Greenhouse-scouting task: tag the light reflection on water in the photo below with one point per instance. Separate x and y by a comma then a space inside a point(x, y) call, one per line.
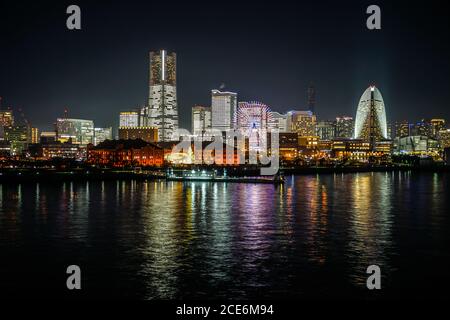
point(315, 235)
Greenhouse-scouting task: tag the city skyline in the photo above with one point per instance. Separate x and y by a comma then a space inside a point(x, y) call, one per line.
point(89, 77)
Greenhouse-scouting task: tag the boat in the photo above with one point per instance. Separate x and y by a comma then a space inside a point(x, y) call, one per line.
point(212, 176)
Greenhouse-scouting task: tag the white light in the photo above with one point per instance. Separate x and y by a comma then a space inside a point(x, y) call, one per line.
point(163, 58)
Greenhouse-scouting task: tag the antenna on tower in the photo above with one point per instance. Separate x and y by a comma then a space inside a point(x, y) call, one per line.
point(66, 112)
point(311, 98)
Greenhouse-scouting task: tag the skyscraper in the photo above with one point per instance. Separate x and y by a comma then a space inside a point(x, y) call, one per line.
point(302, 122)
point(102, 134)
point(370, 124)
point(201, 120)
point(223, 109)
point(78, 130)
point(326, 130)
point(162, 110)
point(277, 121)
point(129, 119)
point(436, 126)
point(344, 127)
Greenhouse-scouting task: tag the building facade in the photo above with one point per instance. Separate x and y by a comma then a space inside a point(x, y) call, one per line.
point(302, 122)
point(201, 121)
point(162, 109)
point(79, 131)
point(223, 110)
point(370, 123)
point(326, 130)
point(147, 134)
point(344, 127)
point(119, 153)
point(102, 134)
point(129, 119)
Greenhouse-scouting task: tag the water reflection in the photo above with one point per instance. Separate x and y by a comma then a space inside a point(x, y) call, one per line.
point(158, 239)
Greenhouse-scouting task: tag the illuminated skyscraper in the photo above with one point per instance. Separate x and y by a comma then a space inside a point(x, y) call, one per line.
point(344, 127)
point(34, 135)
point(277, 121)
point(223, 109)
point(370, 124)
point(129, 119)
point(436, 126)
point(162, 110)
point(102, 134)
point(201, 120)
point(78, 130)
point(326, 130)
point(302, 122)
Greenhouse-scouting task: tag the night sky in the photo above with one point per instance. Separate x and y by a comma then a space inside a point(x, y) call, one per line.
point(268, 52)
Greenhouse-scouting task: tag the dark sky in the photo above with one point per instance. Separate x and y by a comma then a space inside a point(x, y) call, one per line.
point(264, 51)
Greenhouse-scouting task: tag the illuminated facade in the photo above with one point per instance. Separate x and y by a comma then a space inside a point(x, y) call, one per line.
point(370, 123)
point(402, 129)
point(102, 134)
point(344, 127)
point(6, 118)
point(129, 119)
point(19, 137)
point(277, 121)
point(302, 122)
point(35, 135)
point(201, 121)
point(223, 110)
point(79, 131)
point(119, 153)
point(436, 126)
point(148, 134)
point(162, 109)
point(326, 130)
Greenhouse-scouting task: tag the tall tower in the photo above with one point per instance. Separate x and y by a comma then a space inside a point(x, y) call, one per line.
point(370, 123)
point(162, 110)
point(312, 98)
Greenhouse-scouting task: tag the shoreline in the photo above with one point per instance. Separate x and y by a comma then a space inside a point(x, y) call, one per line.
point(8, 175)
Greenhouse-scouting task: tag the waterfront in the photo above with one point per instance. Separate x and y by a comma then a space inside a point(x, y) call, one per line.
point(314, 236)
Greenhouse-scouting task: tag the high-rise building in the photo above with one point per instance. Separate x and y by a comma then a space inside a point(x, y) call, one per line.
point(436, 126)
point(223, 110)
point(201, 120)
point(102, 134)
point(444, 138)
point(371, 124)
point(402, 129)
point(302, 122)
point(326, 130)
point(129, 119)
point(277, 121)
point(78, 130)
point(34, 135)
point(162, 109)
point(19, 136)
point(6, 118)
point(421, 128)
point(344, 127)
point(148, 134)
point(252, 121)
